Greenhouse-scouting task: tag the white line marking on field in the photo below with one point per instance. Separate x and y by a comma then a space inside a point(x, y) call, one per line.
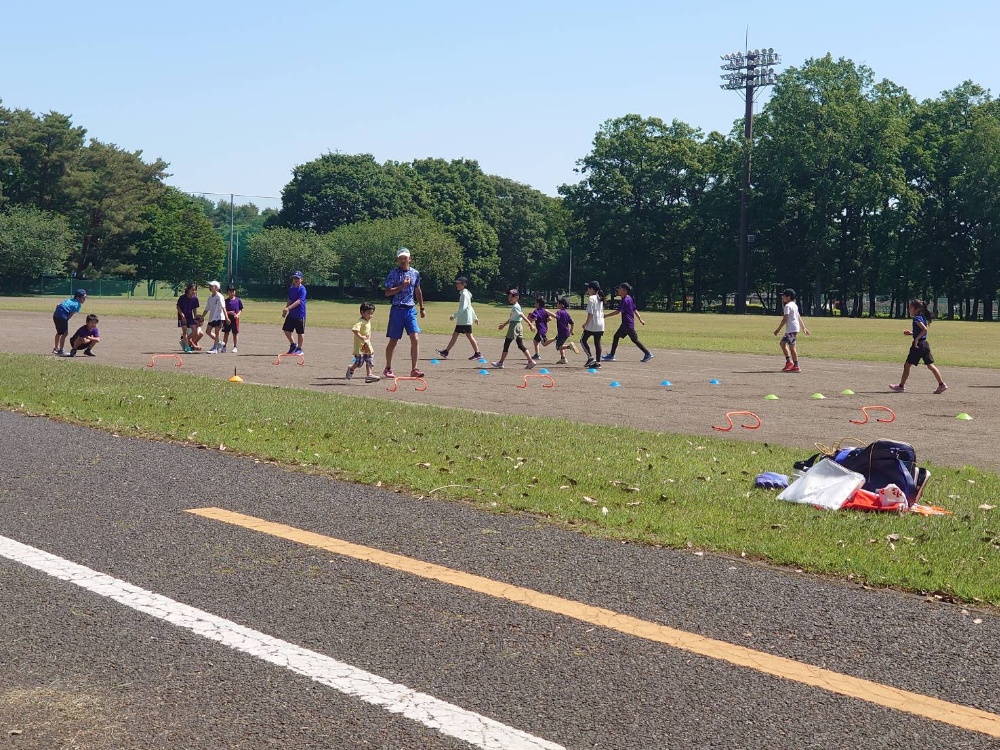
point(446, 718)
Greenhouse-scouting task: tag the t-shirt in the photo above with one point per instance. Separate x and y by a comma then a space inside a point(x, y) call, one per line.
point(791, 312)
point(215, 308)
point(404, 297)
point(919, 335)
point(514, 328)
point(465, 315)
point(595, 309)
point(540, 317)
point(233, 306)
point(364, 327)
point(67, 308)
point(187, 306)
point(84, 331)
point(563, 323)
point(297, 294)
point(627, 310)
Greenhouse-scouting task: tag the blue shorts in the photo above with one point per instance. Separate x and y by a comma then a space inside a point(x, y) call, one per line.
point(789, 338)
point(400, 319)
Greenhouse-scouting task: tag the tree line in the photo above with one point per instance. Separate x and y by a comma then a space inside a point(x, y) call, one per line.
point(860, 195)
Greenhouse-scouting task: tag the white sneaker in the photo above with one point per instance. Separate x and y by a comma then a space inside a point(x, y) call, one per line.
point(234, 350)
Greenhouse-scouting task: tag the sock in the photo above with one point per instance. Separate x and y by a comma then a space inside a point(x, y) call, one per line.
point(788, 359)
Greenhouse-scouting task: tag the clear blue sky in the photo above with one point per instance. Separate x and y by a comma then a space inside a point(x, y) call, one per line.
point(235, 94)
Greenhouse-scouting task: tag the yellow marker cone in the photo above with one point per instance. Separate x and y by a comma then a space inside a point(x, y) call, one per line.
point(847, 392)
point(770, 397)
point(818, 395)
point(963, 415)
point(235, 378)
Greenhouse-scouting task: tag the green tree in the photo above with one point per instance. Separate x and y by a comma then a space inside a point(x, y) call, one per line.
point(32, 242)
point(273, 255)
point(36, 154)
point(178, 242)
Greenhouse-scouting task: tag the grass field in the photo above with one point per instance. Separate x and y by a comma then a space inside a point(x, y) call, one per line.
point(673, 490)
point(955, 343)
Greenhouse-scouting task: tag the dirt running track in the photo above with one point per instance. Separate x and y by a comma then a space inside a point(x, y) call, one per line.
point(690, 405)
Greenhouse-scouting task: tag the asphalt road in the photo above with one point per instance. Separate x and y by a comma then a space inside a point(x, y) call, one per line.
point(80, 670)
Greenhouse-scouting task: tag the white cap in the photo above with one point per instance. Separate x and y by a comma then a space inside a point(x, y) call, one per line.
point(216, 284)
point(403, 253)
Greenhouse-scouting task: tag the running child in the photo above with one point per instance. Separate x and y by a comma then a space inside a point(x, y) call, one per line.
point(86, 337)
point(540, 317)
point(234, 306)
point(791, 320)
point(515, 332)
point(627, 328)
point(564, 330)
point(215, 314)
point(464, 317)
point(920, 348)
point(187, 308)
point(593, 326)
point(64, 311)
point(363, 352)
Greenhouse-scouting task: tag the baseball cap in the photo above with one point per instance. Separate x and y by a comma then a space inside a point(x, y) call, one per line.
point(462, 280)
point(513, 293)
point(297, 275)
point(216, 284)
point(80, 293)
point(789, 292)
point(594, 285)
point(403, 253)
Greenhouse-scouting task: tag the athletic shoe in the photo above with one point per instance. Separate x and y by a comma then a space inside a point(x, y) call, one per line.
point(942, 387)
point(561, 361)
point(574, 347)
point(222, 349)
point(536, 356)
point(897, 388)
point(372, 378)
point(234, 350)
point(531, 364)
point(477, 355)
point(590, 363)
point(349, 374)
point(795, 368)
point(297, 351)
point(647, 357)
point(213, 350)
point(497, 365)
point(788, 366)
point(188, 350)
point(56, 352)
point(73, 353)
point(608, 358)
point(443, 353)
point(89, 353)
point(415, 373)
point(291, 348)
point(596, 365)
point(387, 373)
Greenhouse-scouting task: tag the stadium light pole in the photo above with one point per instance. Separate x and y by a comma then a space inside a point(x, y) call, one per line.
point(747, 72)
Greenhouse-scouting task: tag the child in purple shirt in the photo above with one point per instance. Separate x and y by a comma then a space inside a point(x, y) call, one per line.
point(540, 317)
point(564, 329)
point(627, 328)
point(86, 337)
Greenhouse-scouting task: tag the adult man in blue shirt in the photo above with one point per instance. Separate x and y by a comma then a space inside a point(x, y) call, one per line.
point(402, 286)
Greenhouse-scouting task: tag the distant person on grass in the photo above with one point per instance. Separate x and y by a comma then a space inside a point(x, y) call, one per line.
point(187, 309)
point(234, 306)
point(364, 354)
point(86, 338)
point(215, 314)
point(294, 314)
point(791, 321)
point(627, 328)
point(64, 311)
point(920, 348)
point(464, 317)
point(515, 332)
point(402, 286)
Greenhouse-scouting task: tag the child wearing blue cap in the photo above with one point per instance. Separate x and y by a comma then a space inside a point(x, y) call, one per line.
point(64, 311)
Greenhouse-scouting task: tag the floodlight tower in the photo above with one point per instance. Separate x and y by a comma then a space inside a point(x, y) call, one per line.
point(747, 72)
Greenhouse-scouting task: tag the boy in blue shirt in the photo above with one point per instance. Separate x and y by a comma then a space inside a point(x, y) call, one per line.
point(64, 311)
point(294, 314)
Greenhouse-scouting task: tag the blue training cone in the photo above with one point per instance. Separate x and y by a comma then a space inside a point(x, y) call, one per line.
point(615, 384)
point(435, 361)
point(715, 381)
point(592, 370)
point(484, 372)
point(665, 382)
point(543, 371)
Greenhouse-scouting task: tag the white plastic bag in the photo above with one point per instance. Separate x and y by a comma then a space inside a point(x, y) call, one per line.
point(826, 484)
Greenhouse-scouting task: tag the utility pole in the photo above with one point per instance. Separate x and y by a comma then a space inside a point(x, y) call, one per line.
point(747, 72)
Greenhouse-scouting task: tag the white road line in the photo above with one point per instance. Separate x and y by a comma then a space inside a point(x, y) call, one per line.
point(446, 718)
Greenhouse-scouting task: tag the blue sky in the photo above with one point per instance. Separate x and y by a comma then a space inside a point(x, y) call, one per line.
point(235, 95)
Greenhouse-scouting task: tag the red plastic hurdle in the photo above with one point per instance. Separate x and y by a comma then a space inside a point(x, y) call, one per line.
point(864, 410)
point(152, 362)
point(729, 418)
point(302, 358)
point(544, 375)
point(395, 383)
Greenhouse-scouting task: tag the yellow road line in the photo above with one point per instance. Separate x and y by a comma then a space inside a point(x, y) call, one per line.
point(935, 709)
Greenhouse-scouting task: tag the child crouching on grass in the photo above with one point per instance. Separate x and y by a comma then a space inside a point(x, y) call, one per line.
point(86, 338)
point(363, 352)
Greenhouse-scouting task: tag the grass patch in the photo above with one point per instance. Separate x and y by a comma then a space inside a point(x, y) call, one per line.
point(955, 343)
point(619, 483)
